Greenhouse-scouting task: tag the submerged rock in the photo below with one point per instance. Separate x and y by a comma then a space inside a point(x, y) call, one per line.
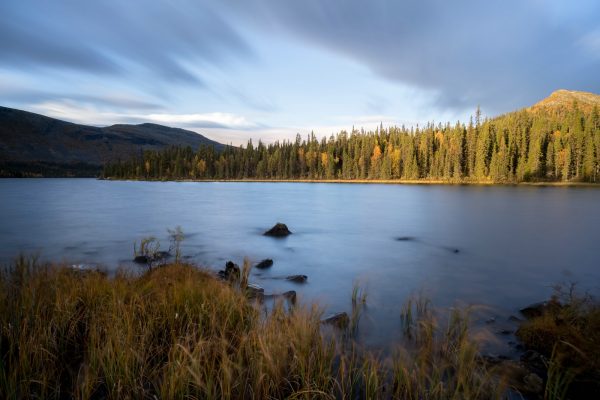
point(405, 238)
point(290, 296)
point(339, 320)
point(266, 263)
point(279, 230)
point(297, 278)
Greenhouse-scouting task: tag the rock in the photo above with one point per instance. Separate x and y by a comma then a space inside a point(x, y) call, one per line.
point(161, 255)
point(231, 272)
point(505, 332)
point(405, 239)
point(142, 260)
point(538, 309)
point(493, 359)
point(339, 320)
point(290, 296)
point(297, 278)
point(512, 318)
point(279, 230)
point(266, 263)
point(255, 292)
point(534, 361)
point(86, 269)
point(490, 320)
point(533, 383)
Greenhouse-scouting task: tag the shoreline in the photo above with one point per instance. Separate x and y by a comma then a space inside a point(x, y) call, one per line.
point(373, 181)
point(292, 343)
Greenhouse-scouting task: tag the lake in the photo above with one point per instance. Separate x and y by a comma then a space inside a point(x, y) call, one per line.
point(497, 247)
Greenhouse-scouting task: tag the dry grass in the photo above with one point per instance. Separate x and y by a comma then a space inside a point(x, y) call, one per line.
point(176, 332)
point(568, 334)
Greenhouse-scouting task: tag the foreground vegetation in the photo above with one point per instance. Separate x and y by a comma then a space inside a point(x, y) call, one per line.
point(558, 145)
point(566, 335)
point(178, 332)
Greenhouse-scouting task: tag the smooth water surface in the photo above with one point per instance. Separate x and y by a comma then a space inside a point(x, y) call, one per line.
point(500, 247)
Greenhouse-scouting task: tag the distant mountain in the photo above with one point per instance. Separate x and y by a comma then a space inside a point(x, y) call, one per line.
point(563, 100)
point(36, 145)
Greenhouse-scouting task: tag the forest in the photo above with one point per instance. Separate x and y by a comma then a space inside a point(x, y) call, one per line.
point(523, 146)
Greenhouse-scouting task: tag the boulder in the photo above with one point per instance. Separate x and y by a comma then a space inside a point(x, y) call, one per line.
point(266, 263)
point(339, 320)
point(297, 278)
point(279, 230)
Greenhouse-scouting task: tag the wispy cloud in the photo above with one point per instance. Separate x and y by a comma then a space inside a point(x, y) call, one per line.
point(118, 37)
point(88, 114)
point(500, 54)
point(208, 120)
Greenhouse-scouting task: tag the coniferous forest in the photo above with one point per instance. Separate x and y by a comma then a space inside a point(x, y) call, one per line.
point(523, 146)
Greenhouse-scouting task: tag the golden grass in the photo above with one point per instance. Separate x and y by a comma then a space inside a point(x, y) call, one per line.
point(177, 332)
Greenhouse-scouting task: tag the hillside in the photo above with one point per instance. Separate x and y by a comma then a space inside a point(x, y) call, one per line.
point(36, 145)
point(563, 100)
point(553, 141)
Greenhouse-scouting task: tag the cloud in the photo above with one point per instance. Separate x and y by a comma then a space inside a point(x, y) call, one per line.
point(494, 53)
point(89, 114)
point(208, 120)
point(117, 37)
point(25, 96)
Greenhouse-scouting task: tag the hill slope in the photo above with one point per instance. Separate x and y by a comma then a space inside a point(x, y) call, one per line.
point(33, 144)
point(563, 100)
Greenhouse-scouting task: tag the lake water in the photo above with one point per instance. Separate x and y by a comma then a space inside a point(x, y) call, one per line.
point(497, 247)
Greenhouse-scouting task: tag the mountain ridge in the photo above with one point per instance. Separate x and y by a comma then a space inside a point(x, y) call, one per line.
point(37, 145)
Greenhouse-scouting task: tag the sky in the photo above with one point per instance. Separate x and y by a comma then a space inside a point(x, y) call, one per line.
point(269, 69)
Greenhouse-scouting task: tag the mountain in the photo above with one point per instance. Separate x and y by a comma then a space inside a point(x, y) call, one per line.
point(562, 100)
point(36, 145)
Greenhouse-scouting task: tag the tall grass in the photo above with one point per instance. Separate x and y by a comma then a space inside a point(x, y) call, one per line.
point(177, 332)
point(567, 333)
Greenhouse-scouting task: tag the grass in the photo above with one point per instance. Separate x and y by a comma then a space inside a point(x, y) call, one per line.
point(567, 333)
point(177, 332)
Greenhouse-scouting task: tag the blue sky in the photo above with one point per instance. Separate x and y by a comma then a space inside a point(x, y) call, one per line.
point(268, 69)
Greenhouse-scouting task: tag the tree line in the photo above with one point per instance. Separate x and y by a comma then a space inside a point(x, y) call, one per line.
point(516, 147)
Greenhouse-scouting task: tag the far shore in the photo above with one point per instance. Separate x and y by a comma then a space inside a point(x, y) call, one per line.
point(378, 181)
